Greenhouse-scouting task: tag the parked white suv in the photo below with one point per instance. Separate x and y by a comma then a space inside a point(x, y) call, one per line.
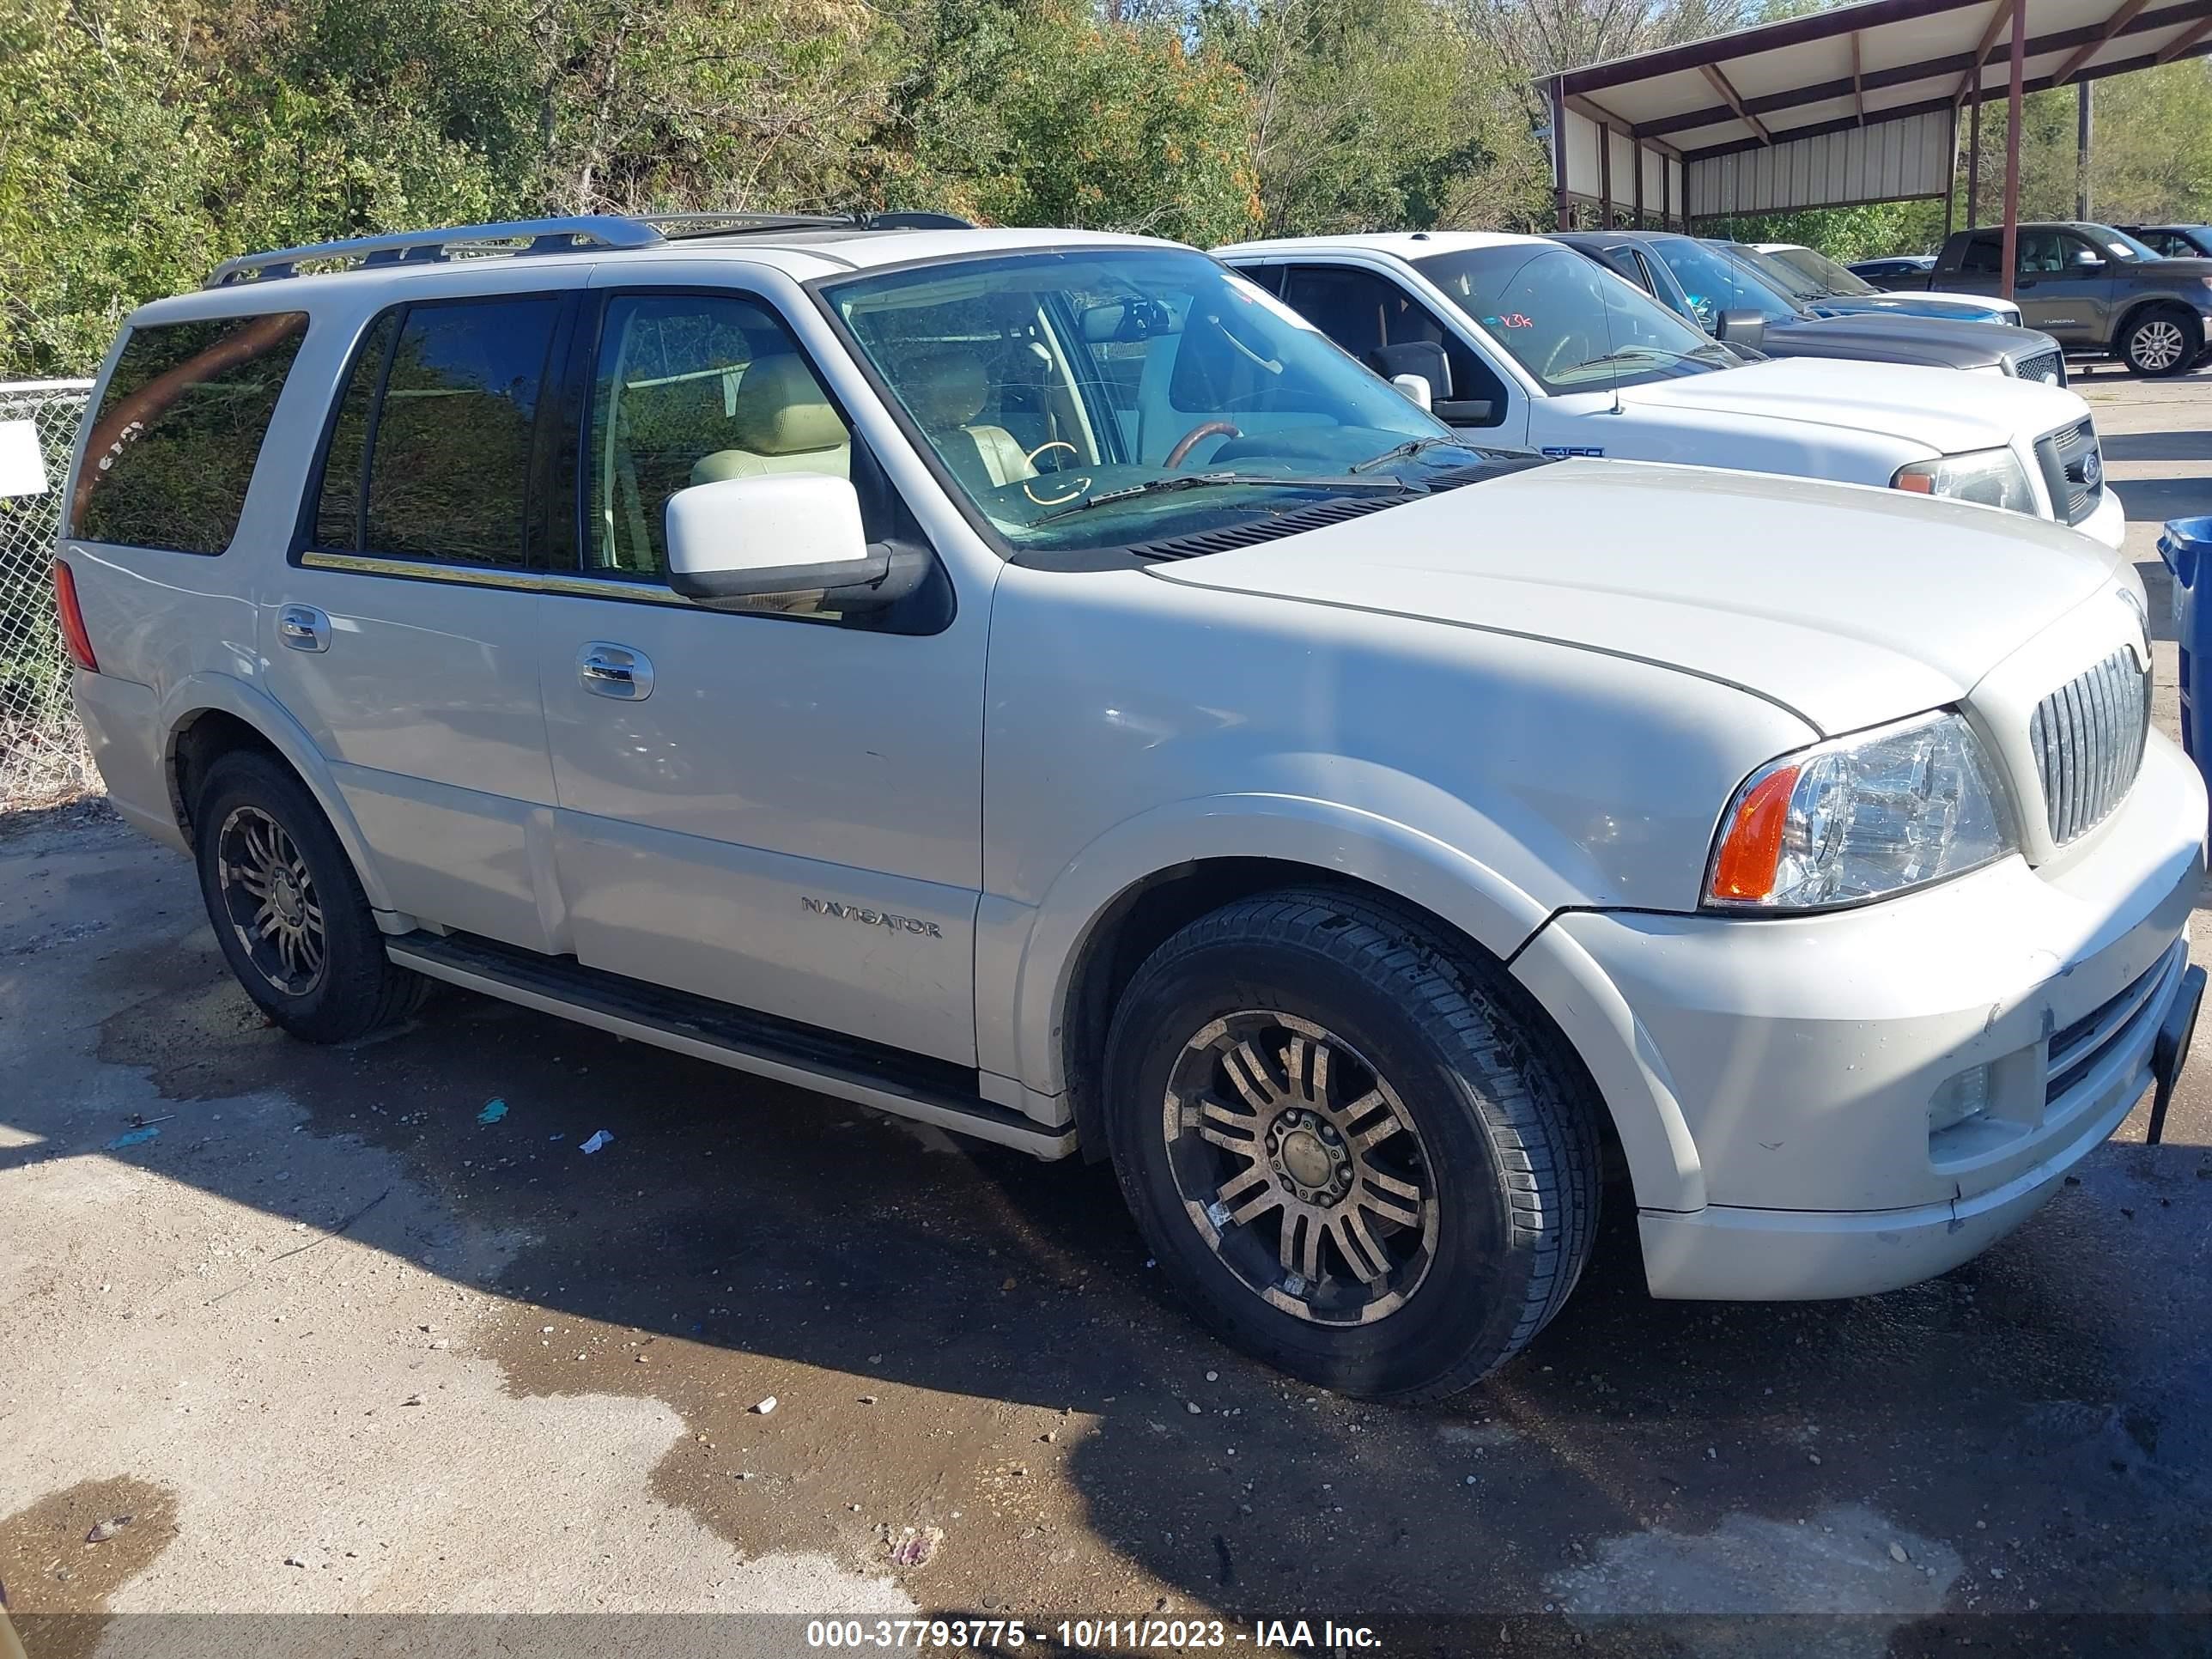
point(1527, 344)
point(1031, 682)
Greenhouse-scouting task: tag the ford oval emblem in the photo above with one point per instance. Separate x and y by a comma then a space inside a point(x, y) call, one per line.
point(2093, 468)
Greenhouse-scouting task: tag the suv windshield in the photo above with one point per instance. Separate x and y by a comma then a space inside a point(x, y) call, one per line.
point(1716, 284)
point(1826, 276)
point(1572, 324)
point(1106, 396)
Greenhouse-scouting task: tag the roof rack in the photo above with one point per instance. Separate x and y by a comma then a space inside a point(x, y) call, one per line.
point(559, 235)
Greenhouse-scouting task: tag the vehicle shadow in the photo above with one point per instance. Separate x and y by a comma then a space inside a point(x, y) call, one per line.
point(732, 1221)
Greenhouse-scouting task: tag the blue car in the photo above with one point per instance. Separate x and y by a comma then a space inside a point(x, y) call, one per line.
point(1827, 289)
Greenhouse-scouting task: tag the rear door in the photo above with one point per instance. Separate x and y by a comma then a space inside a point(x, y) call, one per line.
point(401, 634)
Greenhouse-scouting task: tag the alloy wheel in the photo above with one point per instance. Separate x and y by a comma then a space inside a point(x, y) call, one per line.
point(2157, 345)
point(270, 901)
point(1300, 1168)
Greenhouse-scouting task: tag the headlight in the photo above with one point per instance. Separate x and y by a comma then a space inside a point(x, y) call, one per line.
point(1859, 818)
point(1994, 477)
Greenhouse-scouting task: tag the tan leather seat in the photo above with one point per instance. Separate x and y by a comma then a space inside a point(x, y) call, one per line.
point(948, 388)
point(782, 423)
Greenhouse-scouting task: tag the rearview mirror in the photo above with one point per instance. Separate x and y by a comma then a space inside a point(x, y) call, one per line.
point(1742, 328)
point(791, 533)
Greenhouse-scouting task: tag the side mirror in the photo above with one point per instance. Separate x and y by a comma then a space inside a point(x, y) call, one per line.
point(1464, 411)
point(2085, 260)
point(790, 532)
point(1415, 387)
point(1742, 328)
point(1424, 358)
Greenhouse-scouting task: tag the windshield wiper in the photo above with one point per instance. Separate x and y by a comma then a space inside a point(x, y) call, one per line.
point(1200, 480)
point(1667, 352)
point(1410, 448)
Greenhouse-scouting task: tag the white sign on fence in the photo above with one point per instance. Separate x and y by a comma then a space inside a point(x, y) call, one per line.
point(22, 470)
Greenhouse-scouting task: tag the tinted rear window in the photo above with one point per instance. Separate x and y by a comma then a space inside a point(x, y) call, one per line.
point(179, 428)
point(442, 406)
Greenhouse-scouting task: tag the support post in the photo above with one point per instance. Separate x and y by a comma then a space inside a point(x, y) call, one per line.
point(1604, 178)
point(1665, 195)
point(2012, 148)
point(1974, 164)
point(1636, 160)
point(1559, 153)
point(2083, 121)
point(1951, 177)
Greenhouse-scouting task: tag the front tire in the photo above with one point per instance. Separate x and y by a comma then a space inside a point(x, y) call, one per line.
point(288, 909)
point(2161, 342)
point(1358, 1153)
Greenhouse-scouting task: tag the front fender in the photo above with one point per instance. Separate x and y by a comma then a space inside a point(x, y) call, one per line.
point(1027, 957)
point(199, 694)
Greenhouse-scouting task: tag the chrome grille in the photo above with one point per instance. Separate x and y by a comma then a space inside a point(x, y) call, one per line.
point(2048, 367)
point(2087, 740)
point(2073, 470)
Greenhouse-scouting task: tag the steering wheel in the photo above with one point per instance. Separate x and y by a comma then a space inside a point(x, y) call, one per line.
point(1052, 444)
point(1571, 350)
point(1189, 440)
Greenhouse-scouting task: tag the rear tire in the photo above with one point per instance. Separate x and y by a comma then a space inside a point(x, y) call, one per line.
point(288, 909)
point(1361, 1156)
point(2163, 342)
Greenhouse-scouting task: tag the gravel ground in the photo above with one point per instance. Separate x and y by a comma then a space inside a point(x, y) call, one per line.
point(337, 1345)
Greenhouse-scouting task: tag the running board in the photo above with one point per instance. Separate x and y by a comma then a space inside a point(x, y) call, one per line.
point(887, 1080)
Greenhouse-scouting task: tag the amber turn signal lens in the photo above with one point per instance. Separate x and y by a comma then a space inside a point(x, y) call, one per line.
point(1750, 851)
point(1920, 483)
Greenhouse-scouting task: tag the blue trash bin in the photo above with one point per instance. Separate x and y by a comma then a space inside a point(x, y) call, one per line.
point(2186, 547)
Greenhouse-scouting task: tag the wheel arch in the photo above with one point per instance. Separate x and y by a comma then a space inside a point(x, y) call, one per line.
point(208, 716)
point(1128, 893)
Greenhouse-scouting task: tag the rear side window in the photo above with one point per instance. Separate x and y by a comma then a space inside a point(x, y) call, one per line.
point(429, 447)
point(173, 446)
point(1983, 256)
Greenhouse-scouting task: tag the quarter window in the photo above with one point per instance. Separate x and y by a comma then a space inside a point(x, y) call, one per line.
point(429, 451)
point(179, 428)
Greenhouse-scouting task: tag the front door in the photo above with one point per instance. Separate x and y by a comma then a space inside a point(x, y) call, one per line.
point(403, 637)
point(777, 807)
point(2062, 283)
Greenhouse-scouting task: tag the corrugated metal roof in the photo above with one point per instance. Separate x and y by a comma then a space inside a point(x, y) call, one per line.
point(1907, 62)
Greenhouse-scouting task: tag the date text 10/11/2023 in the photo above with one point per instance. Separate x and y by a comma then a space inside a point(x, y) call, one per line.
point(1093, 1635)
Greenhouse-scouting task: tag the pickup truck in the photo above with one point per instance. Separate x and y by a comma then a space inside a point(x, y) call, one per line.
point(1532, 346)
point(2093, 288)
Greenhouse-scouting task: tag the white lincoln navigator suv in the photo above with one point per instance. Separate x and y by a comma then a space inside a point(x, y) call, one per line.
point(1034, 683)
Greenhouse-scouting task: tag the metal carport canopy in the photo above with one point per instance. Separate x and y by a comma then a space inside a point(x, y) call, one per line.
point(1859, 104)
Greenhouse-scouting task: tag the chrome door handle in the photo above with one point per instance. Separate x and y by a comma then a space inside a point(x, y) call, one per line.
point(615, 671)
point(303, 628)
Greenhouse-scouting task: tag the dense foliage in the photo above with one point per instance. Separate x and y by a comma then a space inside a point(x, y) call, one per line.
point(142, 141)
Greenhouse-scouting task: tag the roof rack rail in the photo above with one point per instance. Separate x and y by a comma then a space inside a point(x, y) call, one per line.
point(559, 235)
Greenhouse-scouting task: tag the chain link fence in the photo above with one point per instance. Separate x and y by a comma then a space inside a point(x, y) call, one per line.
point(42, 751)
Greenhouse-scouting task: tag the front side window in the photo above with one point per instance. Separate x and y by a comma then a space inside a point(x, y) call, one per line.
point(1572, 324)
point(1117, 395)
point(691, 389)
point(173, 444)
point(1362, 311)
point(430, 449)
point(1716, 283)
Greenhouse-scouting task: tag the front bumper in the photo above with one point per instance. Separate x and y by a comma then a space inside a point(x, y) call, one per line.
point(2109, 522)
point(1796, 1060)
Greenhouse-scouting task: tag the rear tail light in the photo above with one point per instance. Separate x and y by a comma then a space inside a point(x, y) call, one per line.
point(72, 620)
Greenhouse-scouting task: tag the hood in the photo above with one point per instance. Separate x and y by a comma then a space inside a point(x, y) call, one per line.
point(1947, 411)
point(1894, 337)
point(1945, 307)
point(2183, 272)
point(1847, 605)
